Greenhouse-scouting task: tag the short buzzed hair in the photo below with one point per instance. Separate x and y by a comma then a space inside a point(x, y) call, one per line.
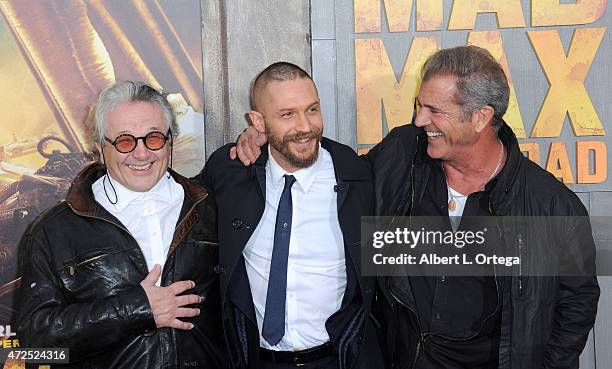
point(279, 71)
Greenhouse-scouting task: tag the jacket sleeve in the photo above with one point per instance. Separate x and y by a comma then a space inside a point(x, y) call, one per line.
point(578, 292)
point(213, 167)
point(391, 161)
point(204, 177)
point(46, 318)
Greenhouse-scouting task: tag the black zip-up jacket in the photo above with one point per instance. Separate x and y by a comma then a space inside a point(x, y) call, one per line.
point(546, 316)
point(81, 273)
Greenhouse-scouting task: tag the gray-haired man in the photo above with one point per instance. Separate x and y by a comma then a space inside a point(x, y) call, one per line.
point(121, 273)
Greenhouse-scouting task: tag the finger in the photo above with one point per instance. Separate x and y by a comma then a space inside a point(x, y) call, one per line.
point(248, 151)
point(260, 140)
point(153, 276)
point(232, 153)
point(242, 154)
point(181, 286)
point(256, 150)
point(180, 325)
point(251, 132)
point(187, 300)
point(187, 312)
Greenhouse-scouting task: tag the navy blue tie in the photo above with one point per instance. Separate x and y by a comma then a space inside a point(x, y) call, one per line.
point(274, 319)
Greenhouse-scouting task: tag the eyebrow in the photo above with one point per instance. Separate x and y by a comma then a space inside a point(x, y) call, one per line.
point(316, 104)
point(428, 106)
point(150, 129)
point(284, 110)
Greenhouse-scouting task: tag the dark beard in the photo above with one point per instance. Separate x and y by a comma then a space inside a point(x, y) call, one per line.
point(282, 146)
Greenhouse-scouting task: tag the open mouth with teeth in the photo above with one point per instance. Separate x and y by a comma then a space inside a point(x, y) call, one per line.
point(303, 141)
point(434, 135)
point(143, 167)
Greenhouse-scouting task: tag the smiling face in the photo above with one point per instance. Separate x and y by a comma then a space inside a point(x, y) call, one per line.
point(289, 113)
point(142, 168)
point(448, 132)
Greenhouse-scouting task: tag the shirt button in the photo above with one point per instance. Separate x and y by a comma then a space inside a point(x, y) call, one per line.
point(218, 269)
point(443, 278)
point(237, 223)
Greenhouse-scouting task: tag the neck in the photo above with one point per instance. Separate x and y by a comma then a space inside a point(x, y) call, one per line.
point(470, 170)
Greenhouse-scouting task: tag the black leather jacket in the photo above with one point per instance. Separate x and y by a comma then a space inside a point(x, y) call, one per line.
point(545, 320)
point(81, 273)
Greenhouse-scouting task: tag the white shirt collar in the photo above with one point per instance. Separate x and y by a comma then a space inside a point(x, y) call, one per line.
point(305, 177)
point(161, 192)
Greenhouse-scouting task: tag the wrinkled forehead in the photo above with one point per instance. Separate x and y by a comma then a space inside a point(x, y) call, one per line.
point(136, 117)
point(439, 87)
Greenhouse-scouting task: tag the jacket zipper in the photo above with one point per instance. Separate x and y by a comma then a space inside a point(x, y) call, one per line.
point(396, 213)
point(92, 259)
point(424, 336)
point(520, 278)
point(412, 190)
point(209, 243)
point(416, 355)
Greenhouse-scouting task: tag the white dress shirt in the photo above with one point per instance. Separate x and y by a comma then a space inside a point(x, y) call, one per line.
point(316, 269)
point(150, 216)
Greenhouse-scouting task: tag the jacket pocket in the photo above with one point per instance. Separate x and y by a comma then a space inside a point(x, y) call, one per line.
point(195, 260)
point(100, 273)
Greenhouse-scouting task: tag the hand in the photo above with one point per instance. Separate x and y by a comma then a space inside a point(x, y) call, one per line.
point(167, 307)
point(248, 145)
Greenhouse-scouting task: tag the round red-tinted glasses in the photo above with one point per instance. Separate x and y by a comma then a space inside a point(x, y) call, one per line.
point(126, 142)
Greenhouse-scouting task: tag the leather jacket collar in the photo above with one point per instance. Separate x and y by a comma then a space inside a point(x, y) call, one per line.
point(80, 196)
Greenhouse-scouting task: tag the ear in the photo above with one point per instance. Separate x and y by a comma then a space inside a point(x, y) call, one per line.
point(258, 121)
point(482, 118)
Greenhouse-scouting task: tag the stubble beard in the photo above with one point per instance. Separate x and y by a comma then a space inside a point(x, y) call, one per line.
point(282, 146)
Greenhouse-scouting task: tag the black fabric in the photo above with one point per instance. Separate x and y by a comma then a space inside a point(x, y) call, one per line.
point(544, 320)
point(81, 273)
point(325, 363)
point(301, 357)
point(456, 307)
point(240, 198)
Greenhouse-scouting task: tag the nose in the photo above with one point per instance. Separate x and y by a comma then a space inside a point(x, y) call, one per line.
point(302, 124)
point(141, 151)
point(421, 119)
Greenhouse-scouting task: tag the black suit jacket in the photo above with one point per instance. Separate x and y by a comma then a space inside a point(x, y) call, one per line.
point(239, 194)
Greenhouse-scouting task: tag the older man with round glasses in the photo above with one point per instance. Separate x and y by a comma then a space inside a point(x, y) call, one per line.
point(122, 272)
